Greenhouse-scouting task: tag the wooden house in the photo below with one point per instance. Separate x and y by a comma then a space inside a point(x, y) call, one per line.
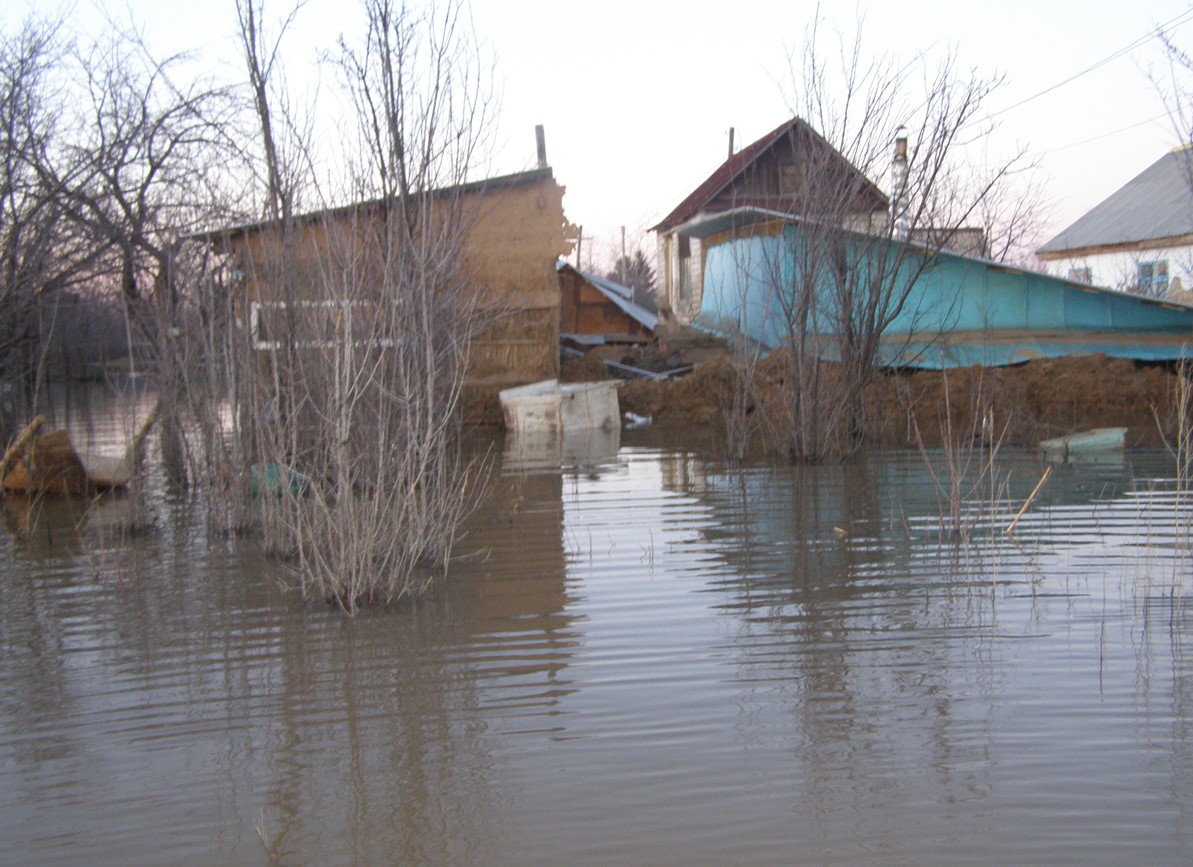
point(594, 309)
point(790, 170)
point(951, 310)
point(509, 232)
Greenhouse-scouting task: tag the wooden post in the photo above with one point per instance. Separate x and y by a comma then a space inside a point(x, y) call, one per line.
point(1031, 497)
point(130, 454)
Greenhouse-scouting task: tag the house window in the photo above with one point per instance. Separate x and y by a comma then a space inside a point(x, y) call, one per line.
point(313, 324)
point(1151, 278)
point(685, 268)
point(1081, 275)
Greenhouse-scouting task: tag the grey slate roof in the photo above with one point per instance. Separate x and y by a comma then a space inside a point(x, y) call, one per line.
point(1155, 204)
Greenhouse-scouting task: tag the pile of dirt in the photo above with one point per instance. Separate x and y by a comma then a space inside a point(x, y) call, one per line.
point(588, 368)
point(699, 398)
point(1019, 405)
point(1029, 402)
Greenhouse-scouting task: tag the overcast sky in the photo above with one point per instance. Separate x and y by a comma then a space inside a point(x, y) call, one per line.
point(638, 96)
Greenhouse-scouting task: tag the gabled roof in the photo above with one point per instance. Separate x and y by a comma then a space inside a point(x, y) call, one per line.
point(1156, 204)
point(736, 165)
point(621, 296)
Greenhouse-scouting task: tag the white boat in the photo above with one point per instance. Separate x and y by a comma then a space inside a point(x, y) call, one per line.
point(550, 407)
point(1099, 441)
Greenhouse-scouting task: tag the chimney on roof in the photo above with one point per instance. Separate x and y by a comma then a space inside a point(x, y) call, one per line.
point(730, 142)
point(540, 138)
point(899, 208)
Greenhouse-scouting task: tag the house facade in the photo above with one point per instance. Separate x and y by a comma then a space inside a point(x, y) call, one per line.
point(507, 234)
point(1138, 240)
point(790, 170)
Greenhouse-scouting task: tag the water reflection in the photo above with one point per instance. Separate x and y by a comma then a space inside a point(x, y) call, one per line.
point(530, 451)
point(642, 656)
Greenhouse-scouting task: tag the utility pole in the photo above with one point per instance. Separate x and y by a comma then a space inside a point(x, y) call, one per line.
point(580, 247)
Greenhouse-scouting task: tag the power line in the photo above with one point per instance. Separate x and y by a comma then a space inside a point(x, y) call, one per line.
point(1104, 135)
point(1175, 22)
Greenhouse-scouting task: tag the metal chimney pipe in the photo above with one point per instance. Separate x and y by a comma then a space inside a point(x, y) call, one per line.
point(540, 138)
point(900, 218)
point(731, 142)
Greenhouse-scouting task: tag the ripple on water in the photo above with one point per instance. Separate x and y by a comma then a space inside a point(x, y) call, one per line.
point(656, 658)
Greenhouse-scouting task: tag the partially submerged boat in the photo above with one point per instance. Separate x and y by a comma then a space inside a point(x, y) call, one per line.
point(1098, 442)
point(49, 464)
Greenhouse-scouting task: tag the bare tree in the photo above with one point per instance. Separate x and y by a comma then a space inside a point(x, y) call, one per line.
point(42, 255)
point(286, 149)
point(847, 267)
point(322, 363)
point(358, 317)
point(147, 169)
point(152, 158)
point(26, 206)
point(232, 399)
point(1175, 88)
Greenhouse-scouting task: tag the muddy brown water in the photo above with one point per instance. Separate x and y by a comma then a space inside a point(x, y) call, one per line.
point(646, 657)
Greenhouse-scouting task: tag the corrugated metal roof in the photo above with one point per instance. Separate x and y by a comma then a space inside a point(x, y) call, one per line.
point(961, 310)
point(1154, 205)
point(621, 296)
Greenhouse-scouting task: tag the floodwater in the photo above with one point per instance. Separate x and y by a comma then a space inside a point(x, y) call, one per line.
point(646, 657)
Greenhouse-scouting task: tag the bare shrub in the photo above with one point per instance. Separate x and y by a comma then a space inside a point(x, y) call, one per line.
point(352, 324)
point(969, 486)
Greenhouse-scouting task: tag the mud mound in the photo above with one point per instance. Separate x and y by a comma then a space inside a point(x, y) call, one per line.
point(588, 368)
point(1034, 401)
point(698, 398)
point(1019, 405)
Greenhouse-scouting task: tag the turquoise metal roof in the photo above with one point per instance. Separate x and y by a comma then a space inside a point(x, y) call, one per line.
point(959, 310)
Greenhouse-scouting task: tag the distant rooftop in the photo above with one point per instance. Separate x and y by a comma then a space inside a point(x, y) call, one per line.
point(621, 296)
point(1155, 205)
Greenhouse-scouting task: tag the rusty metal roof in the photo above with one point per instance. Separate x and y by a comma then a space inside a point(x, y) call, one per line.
point(733, 167)
point(1155, 205)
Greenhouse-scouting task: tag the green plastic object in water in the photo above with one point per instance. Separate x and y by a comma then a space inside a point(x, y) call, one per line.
point(274, 479)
